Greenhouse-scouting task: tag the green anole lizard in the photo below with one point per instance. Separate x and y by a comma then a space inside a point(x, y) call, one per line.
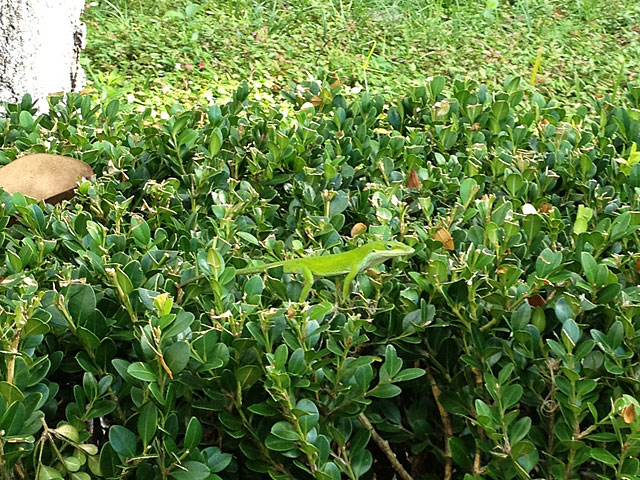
point(350, 263)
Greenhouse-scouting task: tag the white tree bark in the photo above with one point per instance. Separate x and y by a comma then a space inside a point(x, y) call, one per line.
point(40, 44)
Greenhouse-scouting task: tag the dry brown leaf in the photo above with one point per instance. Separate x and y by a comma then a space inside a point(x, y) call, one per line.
point(51, 178)
point(414, 181)
point(445, 238)
point(357, 229)
point(536, 301)
point(545, 208)
point(638, 266)
point(316, 100)
point(261, 34)
point(629, 413)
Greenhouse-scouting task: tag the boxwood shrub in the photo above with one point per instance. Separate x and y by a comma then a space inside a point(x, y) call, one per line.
point(505, 347)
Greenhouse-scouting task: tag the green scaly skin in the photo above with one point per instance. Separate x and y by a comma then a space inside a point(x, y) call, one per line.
point(350, 263)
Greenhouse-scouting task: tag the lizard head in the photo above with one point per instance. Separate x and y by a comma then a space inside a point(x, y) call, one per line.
point(390, 248)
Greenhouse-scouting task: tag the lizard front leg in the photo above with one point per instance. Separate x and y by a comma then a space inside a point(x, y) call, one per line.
point(307, 275)
point(346, 288)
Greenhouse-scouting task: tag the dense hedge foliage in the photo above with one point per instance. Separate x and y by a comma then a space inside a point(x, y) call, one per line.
point(505, 347)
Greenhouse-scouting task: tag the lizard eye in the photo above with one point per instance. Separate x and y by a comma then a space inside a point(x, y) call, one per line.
point(388, 246)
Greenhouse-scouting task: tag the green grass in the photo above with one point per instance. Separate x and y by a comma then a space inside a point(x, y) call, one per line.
point(141, 48)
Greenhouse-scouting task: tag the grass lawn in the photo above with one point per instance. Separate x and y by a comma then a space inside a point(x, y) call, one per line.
point(162, 52)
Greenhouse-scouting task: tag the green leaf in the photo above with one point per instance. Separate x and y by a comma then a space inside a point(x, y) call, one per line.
point(385, 390)
point(590, 266)
point(278, 445)
point(216, 460)
point(521, 449)
point(563, 310)
point(297, 364)
point(570, 333)
point(468, 189)
point(392, 364)
point(122, 281)
point(123, 441)
point(109, 461)
point(460, 453)
point(285, 431)
point(361, 462)
point(247, 375)
point(191, 470)
point(280, 357)
point(409, 374)
point(140, 231)
point(26, 120)
point(511, 395)
point(215, 143)
point(436, 85)
point(338, 204)
point(81, 301)
point(519, 430)
point(147, 422)
point(100, 409)
point(49, 473)
point(182, 322)
point(10, 393)
point(500, 109)
point(532, 224)
point(582, 219)
point(87, 339)
point(72, 464)
point(90, 386)
point(177, 356)
point(247, 237)
point(604, 456)
point(142, 372)
point(395, 120)
point(193, 434)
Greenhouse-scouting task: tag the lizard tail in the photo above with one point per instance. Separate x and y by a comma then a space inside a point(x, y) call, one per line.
point(259, 268)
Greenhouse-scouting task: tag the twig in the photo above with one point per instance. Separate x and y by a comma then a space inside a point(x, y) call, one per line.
point(384, 446)
point(446, 425)
point(3, 470)
point(477, 466)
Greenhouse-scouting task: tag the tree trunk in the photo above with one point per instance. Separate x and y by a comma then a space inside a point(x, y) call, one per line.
point(40, 44)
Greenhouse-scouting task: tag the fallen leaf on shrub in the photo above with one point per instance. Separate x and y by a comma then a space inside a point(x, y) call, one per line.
point(536, 301)
point(545, 208)
point(357, 229)
point(629, 413)
point(49, 178)
point(445, 237)
point(414, 181)
point(316, 100)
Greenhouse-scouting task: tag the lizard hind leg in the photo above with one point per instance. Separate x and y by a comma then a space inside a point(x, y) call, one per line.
point(307, 275)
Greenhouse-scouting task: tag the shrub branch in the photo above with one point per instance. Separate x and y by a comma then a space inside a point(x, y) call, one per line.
point(384, 446)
